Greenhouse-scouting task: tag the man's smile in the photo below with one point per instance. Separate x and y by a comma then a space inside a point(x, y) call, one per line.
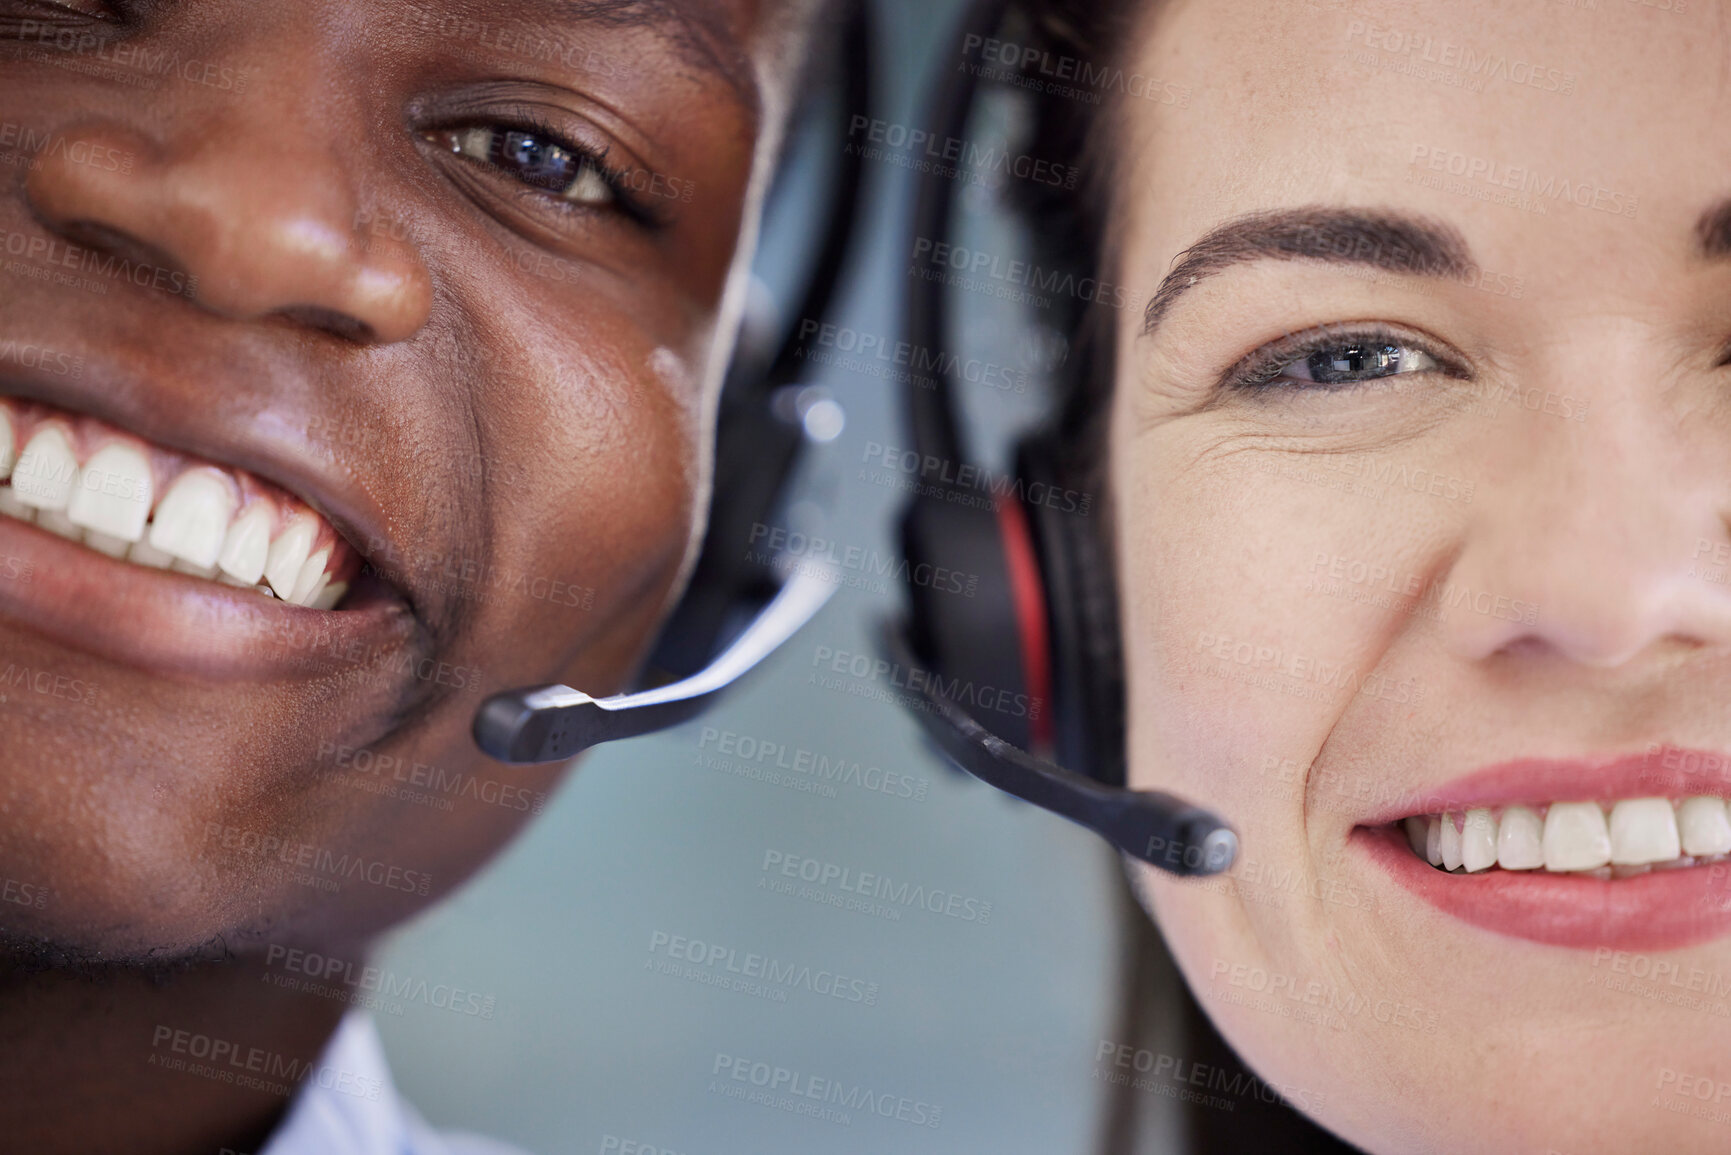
point(92, 482)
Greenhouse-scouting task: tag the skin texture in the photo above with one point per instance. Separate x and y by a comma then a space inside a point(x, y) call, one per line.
point(1462, 1040)
point(471, 383)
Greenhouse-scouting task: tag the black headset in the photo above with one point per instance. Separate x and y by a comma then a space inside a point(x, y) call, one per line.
point(1043, 622)
point(1041, 627)
point(734, 594)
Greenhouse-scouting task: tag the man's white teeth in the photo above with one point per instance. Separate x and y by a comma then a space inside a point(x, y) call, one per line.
point(1705, 827)
point(1520, 840)
point(112, 497)
point(143, 553)
point(1576, 837)
point(312, 579)
point(246, 546)
point(115, 547)
point(56, 521)
point(155, 508)
point(288, 553)
point(193, 517)
point(332, 594)
point(45, 472)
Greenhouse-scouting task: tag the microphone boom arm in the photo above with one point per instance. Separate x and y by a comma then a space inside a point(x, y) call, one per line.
point(552, 723)
point(1149, 825)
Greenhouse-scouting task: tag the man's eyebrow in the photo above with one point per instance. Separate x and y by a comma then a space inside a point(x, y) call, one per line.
point(1381, 238)
point(697, 28)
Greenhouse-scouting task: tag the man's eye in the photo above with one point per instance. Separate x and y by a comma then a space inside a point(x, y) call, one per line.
point(535, 159)
point(1355, 361)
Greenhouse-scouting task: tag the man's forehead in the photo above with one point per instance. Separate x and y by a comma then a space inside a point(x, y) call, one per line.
point(706, 34)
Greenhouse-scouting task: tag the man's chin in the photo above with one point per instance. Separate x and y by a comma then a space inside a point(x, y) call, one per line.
point(151, 913)
point(24, 954)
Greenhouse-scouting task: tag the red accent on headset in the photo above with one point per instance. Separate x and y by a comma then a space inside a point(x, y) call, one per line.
point(1029, 594)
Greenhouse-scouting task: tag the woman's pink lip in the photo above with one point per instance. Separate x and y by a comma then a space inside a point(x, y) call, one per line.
point(1661, 910)
point(1659, 771)
point(174, 625)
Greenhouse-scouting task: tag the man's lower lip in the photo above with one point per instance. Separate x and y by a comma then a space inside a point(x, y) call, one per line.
point(175, 625)
point(1661, 910)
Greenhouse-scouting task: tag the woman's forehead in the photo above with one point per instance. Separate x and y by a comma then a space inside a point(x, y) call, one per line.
point(1540, 133)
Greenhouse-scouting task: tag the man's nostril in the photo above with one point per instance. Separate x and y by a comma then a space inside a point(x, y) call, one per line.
point(115, 242)
point(331, 321)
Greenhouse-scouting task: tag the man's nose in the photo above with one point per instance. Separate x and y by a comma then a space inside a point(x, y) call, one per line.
point(265, 214)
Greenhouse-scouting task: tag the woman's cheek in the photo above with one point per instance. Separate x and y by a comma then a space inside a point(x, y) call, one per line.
point(1238, 673)
point(1233, 672)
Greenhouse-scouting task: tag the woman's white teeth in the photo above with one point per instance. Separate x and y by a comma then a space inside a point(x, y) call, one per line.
point(1639, 834)
point(1705, 826)
point(1479, 841)
point(207, 521)
point(1644, 831)
point(1576, 837)
point(1449, 844)
point(1520, 840)
point(1417, 831)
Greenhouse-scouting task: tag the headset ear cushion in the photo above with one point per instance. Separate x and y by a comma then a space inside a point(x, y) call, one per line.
point(963, 602)
point(1070, 539)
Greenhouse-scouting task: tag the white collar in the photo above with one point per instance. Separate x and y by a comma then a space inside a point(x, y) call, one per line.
point(348, 1105)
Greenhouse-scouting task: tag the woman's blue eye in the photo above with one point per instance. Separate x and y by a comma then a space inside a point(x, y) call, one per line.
point(533, 159)
point(1352, 361)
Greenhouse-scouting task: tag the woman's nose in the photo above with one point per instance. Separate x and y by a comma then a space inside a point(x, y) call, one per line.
point(1599, 532)
point(264, 215)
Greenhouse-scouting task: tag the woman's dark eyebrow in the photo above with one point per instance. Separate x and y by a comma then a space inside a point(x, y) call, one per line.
point(1381, 238)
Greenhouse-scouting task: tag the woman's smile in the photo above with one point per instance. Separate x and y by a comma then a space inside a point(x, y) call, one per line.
point(1631, 852)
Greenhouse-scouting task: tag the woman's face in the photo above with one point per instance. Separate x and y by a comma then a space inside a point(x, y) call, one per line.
point(327, 260)
point(1422, 471)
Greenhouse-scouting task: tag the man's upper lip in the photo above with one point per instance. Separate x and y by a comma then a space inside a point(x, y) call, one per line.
point(1658, 770)
point(107, 391)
